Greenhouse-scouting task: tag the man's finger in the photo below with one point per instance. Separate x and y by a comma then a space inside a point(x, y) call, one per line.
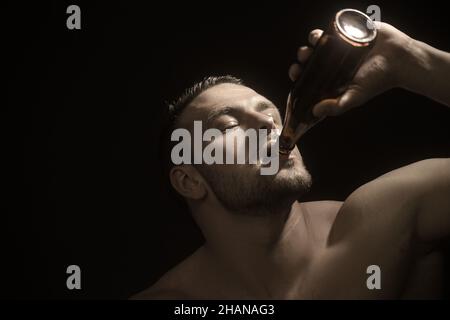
point(314, 36)
point(294, 71)
point(303, 53)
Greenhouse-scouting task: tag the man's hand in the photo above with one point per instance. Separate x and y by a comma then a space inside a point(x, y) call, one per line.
point(396, 60)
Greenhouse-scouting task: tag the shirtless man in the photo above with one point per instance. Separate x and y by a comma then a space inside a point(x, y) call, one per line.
point(261, 243)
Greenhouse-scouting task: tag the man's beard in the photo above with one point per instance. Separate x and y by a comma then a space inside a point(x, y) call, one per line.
point(249, 192)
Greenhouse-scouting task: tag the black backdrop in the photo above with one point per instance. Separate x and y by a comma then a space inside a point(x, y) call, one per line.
point(85, 108)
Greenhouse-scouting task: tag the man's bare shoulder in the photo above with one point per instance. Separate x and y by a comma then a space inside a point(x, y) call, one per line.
point(386, 205)
point(177, 283)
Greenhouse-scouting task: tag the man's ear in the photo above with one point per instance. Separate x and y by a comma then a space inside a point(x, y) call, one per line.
point(187, 182)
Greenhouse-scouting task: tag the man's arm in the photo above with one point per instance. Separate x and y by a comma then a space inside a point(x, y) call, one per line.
point(431, 198)
point(429, 74)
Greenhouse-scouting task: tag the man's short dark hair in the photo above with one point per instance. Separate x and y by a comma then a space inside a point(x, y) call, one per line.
point(175, 109)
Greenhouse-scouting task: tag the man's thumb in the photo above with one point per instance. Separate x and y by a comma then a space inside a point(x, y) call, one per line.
point(352, 98)
point(327, 107)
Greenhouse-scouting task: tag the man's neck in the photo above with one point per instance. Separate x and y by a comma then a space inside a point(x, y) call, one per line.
point(257, 250)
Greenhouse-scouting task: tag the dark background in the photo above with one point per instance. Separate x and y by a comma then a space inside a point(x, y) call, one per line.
point(85, 108)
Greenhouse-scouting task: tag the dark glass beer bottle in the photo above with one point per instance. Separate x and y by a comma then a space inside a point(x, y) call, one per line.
point(332, 65)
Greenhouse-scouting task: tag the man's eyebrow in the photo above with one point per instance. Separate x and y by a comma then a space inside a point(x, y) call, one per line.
point(263, 105)
point(260, 106)
point(218, 112)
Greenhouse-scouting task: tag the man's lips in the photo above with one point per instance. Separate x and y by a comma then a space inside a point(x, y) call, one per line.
point(289, 155)
point(285, 156)
point(282, 156)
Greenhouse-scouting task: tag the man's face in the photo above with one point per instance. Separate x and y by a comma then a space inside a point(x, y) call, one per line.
point(232, 109)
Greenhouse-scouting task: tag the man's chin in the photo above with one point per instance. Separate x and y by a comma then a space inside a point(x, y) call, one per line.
point(293, 177)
